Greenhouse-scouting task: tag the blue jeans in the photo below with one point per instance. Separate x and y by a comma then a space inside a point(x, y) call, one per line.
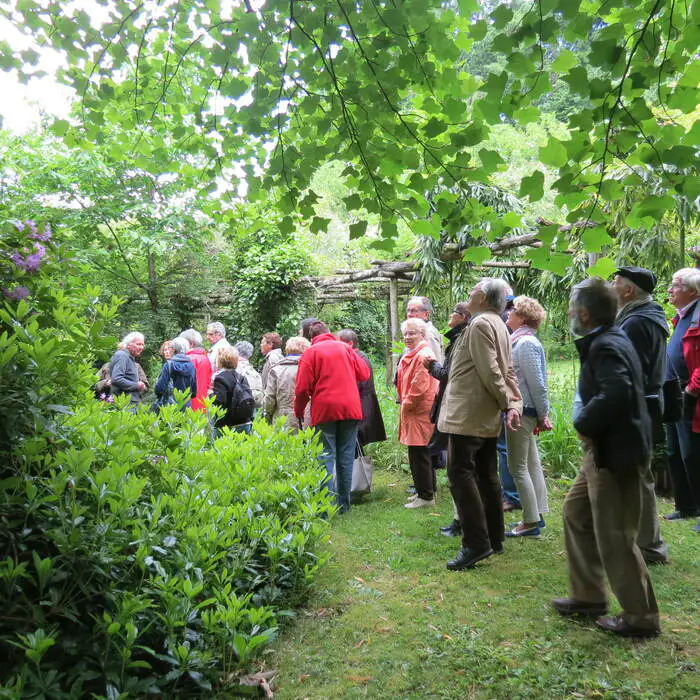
point(510, 491)
point(684, 467)
point(339, 438)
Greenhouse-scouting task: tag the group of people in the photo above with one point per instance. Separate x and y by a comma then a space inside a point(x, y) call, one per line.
point(483, 394)
point(491, 380)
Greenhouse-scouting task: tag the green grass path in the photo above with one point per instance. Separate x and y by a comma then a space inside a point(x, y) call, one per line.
point(387, 620)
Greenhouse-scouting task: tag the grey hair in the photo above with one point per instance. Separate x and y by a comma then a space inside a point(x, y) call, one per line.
point(245, 349)
point(419, 323)
point(193, 337)
point(689, 277)
point(180, 346)
point(598, 298)
point(217, 327)
point(495, 290)
point(131, 337)
point(424, 302)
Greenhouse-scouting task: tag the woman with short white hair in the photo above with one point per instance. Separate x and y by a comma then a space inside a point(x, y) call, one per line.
point(280, 389)
point(417, 389)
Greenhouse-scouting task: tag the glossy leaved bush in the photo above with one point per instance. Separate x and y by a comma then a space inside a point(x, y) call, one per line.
point(267, 91)
point(136, 555)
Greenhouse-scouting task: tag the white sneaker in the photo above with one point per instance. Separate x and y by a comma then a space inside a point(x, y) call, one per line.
point(412, 498)
point(420, 503)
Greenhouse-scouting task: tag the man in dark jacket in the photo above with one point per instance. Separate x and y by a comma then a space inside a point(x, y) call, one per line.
point(123, 369)
point(601, 511)
point(644, 323)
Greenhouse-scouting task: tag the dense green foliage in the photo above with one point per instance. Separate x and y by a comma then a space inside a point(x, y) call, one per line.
point(136, 555)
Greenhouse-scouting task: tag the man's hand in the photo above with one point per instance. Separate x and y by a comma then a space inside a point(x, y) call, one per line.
point(513, 419)
point(142, 386)
point(545, 424)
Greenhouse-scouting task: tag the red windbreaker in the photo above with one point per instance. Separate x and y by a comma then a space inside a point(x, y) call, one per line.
point(202, 368)
point(328, 374)
point(691, 353)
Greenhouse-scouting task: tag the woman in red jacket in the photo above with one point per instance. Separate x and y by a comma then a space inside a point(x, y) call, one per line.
point(328, 374)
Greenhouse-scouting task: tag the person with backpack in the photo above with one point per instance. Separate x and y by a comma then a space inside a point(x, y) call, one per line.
point(178, 373)
point(232, 392)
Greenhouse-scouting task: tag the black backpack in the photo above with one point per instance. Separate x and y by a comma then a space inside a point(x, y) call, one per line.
point(241, 405)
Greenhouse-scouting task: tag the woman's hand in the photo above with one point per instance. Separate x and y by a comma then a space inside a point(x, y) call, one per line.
point(428, 361)
point(513, 419)
point(545, 423)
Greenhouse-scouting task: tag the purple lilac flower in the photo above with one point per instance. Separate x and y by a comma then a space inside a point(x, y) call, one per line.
point(18, 225)
point(17, 293)
point(32, 263)
point(31, 225)
point(18, 261)
point(44, 236)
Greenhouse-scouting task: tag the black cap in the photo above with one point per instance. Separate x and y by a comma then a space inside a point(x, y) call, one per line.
point(643, 278)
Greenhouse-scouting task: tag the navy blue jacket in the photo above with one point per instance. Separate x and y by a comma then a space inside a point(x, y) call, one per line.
point(178, 373)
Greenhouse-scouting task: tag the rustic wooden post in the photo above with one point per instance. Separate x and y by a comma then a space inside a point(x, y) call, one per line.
point(394, 323)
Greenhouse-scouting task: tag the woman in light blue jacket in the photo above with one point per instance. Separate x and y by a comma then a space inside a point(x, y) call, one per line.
point(523, 457)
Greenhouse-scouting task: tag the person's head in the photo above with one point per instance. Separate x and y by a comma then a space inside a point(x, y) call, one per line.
point(593, 303)
point(270, 342)
point(215, 332)
point(133, 343)
point(193, 337)
point(685, 287)
point(460, 314)
point(317, 328)
point(349, 337)
point(245, 349)
point(489, 294)
point(413, 330)
point(305, 326)
point(166, 350)
point(632, 283)
point(227, 358)
point(419, 307)
point(525, 312)
point(296, 345)
point(180, 346)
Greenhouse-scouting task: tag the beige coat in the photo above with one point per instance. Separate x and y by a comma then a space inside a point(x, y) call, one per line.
point(482, 382)
point(280, 392)
point(245, 369)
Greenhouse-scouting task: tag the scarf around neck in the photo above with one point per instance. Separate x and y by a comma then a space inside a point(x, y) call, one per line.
point(521, 333)
point(630, 306)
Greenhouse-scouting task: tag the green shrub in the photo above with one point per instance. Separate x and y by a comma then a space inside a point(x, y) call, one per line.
point(136, 556)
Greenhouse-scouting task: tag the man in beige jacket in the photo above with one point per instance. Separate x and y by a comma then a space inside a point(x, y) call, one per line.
point(480, 387)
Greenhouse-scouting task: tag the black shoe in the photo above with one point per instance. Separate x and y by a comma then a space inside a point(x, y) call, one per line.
point(467, 558)
point(617, 625)
point(677, 515)
point(454, 529)
point(568, 607)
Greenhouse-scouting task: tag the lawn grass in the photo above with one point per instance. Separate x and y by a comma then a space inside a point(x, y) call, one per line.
point(386, 619)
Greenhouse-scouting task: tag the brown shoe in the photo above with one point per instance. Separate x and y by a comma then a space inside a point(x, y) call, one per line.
point(568, 607)
point(617, 625)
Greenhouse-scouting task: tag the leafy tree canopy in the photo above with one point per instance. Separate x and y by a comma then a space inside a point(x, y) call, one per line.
point(265, 93)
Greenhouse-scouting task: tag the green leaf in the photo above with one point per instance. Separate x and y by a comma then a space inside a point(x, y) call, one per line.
point(604, 267)
point(434, 128)
point(319, 224)
point(595, 238)
point(554, 153)
point(532, 186)
point(357, 230)
point(512, 220)
point(477, 254)
point(490, 160)
point(501, 16)
point(468, 7)
point(564, 62)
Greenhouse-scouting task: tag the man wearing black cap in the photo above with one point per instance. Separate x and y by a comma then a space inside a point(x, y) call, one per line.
point(644, 323)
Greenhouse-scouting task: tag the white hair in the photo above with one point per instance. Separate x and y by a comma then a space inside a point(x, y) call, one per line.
point(495, 291)
point(425, 303)
point(180, 345)
point(245, 349)
point(130, 338)
point(218, 328)
point(193, 337)
point(418, 323)
point(689, 277)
